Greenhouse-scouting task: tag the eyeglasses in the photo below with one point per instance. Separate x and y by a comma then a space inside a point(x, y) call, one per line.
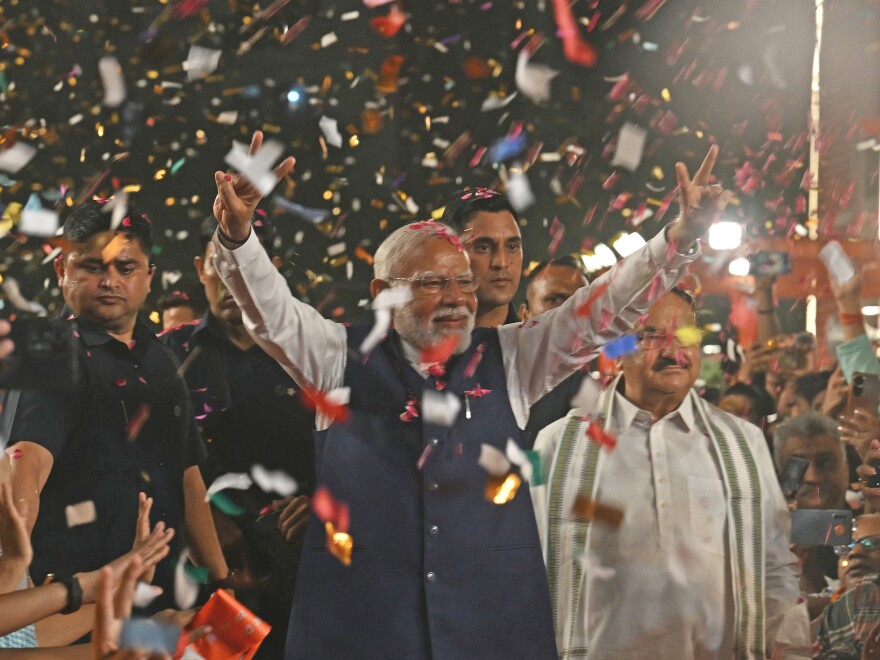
point(869, 543)
point(431, 284)
point(650, 340)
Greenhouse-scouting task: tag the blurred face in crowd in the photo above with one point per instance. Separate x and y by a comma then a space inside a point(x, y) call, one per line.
point(220, 301)
point(550, 288)
point(827, 477)
point(108, 294)
point(790, 403)
point(741, 406)
point(494, 245)
point(440, 308)
point(662, 369)
point(864, 558)
point(175, 316)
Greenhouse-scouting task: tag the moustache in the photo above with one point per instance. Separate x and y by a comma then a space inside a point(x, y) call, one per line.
point(663, 362)
point(451, 311)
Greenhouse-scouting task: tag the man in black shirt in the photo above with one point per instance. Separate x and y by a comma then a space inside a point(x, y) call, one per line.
point(83, 455)
point(250, 414)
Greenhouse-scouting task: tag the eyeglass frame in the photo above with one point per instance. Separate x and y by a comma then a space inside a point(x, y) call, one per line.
point(418, 281)
point(844, 550)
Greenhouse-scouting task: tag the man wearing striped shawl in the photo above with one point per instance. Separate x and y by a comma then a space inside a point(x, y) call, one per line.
point(698, 566)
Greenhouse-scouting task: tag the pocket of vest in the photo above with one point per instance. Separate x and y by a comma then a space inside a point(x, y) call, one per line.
point(519, 546)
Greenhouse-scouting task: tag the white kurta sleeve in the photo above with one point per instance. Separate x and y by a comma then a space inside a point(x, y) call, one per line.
point(540, 353)
point(311, 349)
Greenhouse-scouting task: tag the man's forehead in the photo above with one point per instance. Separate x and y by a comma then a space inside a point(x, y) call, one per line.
point(108, 247)
point(438, 256)
point(492, 224)
point(811, 446)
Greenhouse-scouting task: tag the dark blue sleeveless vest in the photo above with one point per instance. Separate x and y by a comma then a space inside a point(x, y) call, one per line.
point(437, 571)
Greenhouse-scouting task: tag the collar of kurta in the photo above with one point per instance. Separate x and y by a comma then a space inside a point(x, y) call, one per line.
point(744, 518)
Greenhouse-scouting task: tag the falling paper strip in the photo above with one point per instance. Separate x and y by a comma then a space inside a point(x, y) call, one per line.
point(256, 168)
point(119, 205)
point(170, 278)
point(533, 80)
point(518, 457)
point(630, 146)
point(150, 636)
point(16, 157)
point(493, 461)
point(440, 408)
point(496, 102)
point(388, 299)
point(519, 191)
point(235, 480)
point(274, 481)
point(80, 514)
point(144, 594)
point(200, 62)
point(186, 590)
point(329, 127)
point(112, 81)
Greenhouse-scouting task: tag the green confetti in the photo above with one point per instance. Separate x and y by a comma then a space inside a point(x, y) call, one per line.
point(198, 574)
point(535, 460)
point(226, 505)
point(177, 165)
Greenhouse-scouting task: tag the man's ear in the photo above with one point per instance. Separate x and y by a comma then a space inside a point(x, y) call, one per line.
point(199, 264)
point(523, 312)
point(377, 287)
point(59, 268)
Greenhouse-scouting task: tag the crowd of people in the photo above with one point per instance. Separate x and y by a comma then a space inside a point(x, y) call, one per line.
point(453, 483)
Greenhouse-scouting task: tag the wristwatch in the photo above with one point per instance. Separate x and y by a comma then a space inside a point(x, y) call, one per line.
point(74, 590)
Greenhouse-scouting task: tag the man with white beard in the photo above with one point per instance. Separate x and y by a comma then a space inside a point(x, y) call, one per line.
point(437, 569)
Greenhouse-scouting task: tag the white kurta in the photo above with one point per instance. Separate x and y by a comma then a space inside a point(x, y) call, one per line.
point(660, 586)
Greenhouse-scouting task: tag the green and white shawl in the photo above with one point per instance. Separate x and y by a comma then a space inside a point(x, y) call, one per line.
point(576, 468)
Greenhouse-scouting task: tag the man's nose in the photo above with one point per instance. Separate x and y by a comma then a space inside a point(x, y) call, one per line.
point(452, 294)
point(110, 278)
point(500, 259)
point(811, 475)
point(858, 551)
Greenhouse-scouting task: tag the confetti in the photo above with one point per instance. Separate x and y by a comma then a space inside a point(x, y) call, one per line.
point(116, 245)
point(624, 345)
point(340, 544)
point(439, 352)
point(136, 424)
point(493, 460)
point(186, 589)
point(440, 409)
point(533, 80)
point(630, 146)
point(13, 158)
point(596, 433)
point(502, 490)
point(256, 168)
point(274, 481)
point(200, 62)
point(112, 81)
point(328, 404)
point(80, 514)
point(144, 594)
point(234, 480)
point(393, 297)
point(330, 130)
point(585, 308)
point(335, 516)
point(38, 222)
point(528, 462)
point(149, 636)
point(688, 335)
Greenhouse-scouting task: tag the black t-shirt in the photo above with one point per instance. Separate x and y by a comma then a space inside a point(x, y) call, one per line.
point(127, 427)
point(247, 406)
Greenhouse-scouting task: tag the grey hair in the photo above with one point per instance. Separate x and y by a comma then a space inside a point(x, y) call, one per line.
point(395, 251)
point(810, 424)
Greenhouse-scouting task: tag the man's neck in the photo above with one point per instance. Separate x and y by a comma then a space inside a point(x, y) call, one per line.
point(123, 333)
point(489, 318)
point(659, 405)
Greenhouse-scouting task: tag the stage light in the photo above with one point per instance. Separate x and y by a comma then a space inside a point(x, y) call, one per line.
point(725, 235)
point(294, 96)
point(626, 244)
point(871, 310)
point(606, 257)
point(739, 267)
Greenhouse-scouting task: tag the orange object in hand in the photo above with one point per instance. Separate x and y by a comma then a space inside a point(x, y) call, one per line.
point(236, 632)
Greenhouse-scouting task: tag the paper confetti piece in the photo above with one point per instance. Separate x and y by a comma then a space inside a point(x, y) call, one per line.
point(16, 157)
point(630, 146)
point(519, 191)
point(80, 514)
point(328, 509)
point(439, 408)
point(426, 452)
point(528, 462)
point(493, 460)
point(591, 510)
point(112, 81)
point(137, 421)
point(329, 127)
point(598, 434)
point(533, 80)
point(186, 589)
point(38, 222)
point(274, 481)
point(327, 404)
point(256, 168)
point(144, 594)
point(234, 480)
point(623, 345)
point(227, 506)
point(200, 62)
point(474, 362)
point(595, 292)
point(340, 544)
point(502, 490)
point(689, 335)
point(393, 297)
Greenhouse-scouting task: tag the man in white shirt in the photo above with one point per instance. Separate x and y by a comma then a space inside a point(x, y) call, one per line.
point(699, 566)
point(437, 570)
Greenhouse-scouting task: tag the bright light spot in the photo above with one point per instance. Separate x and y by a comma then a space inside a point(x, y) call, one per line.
point(626, 244)
point(591, 262)
point(725, 235)
point(739, 267)
point(713, 327)
point(606, 257)
point(294, 97)
point(711, 349)
point(871, 310)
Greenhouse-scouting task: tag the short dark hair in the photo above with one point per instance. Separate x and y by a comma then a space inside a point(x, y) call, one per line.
point(93, 217)
point(263, 228)
point(567, 261)
point(178, 298)
point(762, 403)
point(462, 204)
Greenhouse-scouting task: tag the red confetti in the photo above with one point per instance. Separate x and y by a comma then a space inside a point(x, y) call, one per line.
point(388, 25)
point(574, 47)
point(478, 392)
point(598, 434)
point(137, 422)
point(16, 453)
point(440, 351)
point(328, 509)
point(475, 360)
point(586, 306)
point(120, 382)
point(322, 404)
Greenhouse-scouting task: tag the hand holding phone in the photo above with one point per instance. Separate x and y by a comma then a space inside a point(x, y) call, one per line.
point(864, 393)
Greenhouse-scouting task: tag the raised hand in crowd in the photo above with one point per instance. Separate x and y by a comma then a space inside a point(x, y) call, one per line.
point(700, 202)
point(294, 518)
point(847, 297)
point(859, 429)
point(757, 360)
point(836, 393)
point(14, 539)
point(237, 198)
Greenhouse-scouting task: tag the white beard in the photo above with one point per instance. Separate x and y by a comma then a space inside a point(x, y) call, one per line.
point(422, 334)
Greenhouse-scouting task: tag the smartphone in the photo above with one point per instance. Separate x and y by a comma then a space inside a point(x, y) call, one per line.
point(792, 474)
point(837, 262)
point(770, 263)
point(44, 358)
point(864, 393)
point(821, 526)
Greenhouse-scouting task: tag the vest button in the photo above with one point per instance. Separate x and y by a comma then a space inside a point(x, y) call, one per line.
point(432, 486)
point(431, 576)
point(433, 530)
point(433, 442)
